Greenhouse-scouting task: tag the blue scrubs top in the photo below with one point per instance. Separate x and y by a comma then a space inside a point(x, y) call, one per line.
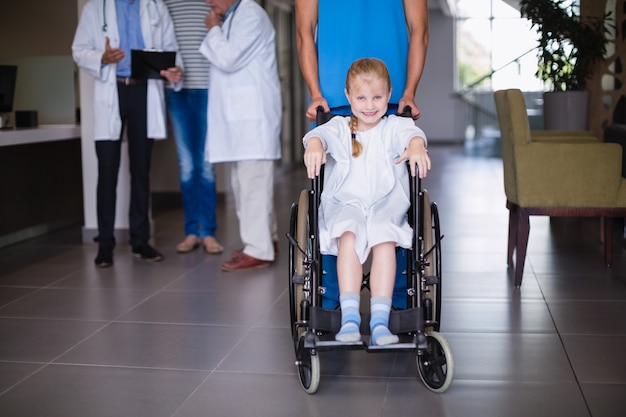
point(352, 29)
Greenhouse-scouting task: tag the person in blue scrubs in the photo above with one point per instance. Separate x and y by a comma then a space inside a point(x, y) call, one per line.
point(332, 34)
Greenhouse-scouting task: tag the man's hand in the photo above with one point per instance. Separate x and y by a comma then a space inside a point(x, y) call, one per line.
point(212, 19)
point(111, 55)
point(173, 74)
point(311, 111)
point(406, 101)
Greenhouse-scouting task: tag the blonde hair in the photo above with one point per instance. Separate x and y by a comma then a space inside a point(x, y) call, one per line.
point(364, 66)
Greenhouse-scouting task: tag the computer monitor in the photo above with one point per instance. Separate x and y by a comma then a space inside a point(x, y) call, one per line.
point(8, 76)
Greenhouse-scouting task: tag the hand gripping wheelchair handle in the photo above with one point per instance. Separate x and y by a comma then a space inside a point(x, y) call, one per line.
point(322, 117)
point(406, 112)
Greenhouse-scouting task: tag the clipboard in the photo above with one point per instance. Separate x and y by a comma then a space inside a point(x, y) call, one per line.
point(147, 64)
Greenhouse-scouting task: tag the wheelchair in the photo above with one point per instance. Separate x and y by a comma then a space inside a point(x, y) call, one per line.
point(416, 310)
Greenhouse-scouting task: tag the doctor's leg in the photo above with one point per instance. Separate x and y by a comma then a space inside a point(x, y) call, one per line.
point(108, 153)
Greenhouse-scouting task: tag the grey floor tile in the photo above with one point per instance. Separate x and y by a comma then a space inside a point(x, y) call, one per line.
point(145, 345)
point(262, 350)
point(589, 317)
point(359, 363)
point(501, 316)
point(11, 294)
point(75, 304)
point(210, 278)
point(201, 308)
point(487, 285)
point(12, 373)
point(605, 400)
point(146, 277)
point(278, 314)
point(37, 275)
point(581, 287)
point(597, 358)
point(578, 262)
point(510, 357)
point(281, 396)
point(485, 262)
point(38, 340)
point(62, 391)
point(490, 398)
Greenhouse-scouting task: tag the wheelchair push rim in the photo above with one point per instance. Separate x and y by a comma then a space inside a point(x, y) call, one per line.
point(299, 229)
point(432, 247)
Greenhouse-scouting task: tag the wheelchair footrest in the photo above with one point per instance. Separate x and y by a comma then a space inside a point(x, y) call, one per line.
point(336, 345)
point(400, 321)
point(325, 320)
point(406, 321)
point(391, 348)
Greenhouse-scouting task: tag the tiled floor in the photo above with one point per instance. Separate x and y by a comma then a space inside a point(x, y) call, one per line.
point(181, 338)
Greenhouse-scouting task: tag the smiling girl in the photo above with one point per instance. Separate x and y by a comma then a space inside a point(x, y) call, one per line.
point(365, 200)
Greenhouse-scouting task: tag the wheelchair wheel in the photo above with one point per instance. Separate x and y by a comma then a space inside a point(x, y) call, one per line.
point(432, 246)
point(308, 368)
point(299, 228)
point(436, 363)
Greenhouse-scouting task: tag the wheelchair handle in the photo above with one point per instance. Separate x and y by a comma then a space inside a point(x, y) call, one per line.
point(406, 112)
point(322, 117)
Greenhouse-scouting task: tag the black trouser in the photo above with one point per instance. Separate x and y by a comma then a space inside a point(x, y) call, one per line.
point(133, 111)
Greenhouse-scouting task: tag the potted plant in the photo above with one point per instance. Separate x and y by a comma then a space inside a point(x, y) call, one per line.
point(568, 46)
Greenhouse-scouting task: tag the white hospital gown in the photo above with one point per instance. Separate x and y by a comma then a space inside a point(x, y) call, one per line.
point(367, 195)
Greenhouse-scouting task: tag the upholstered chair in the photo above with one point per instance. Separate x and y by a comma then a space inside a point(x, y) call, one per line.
point(558, 174)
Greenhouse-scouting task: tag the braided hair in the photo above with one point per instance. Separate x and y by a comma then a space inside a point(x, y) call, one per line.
point(364, 66)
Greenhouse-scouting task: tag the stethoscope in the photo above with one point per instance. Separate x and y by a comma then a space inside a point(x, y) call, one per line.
point(154, 22)
point(232, 16)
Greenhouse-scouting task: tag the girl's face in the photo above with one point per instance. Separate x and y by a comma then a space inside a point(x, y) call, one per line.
point(368, 97)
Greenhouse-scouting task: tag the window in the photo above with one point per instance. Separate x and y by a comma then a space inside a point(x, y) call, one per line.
point(495, 47)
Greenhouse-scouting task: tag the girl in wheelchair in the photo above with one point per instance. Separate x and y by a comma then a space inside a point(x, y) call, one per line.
point(365, 200)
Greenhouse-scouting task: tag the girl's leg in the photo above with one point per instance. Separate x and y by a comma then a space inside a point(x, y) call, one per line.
point(382, 277)
point(350, 275)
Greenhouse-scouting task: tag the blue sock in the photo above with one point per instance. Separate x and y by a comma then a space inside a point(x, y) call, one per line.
point(350, 318)
point(379, 322)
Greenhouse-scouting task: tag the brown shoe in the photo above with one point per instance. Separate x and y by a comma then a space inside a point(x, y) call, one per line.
point(190, 243)
point(238, 252)
point(244, 262)
point(212, 246)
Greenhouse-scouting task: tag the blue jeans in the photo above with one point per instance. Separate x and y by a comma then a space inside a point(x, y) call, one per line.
point(187, 110)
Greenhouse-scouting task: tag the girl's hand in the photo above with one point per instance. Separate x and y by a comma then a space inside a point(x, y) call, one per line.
point(314, 157)
point(416, 153)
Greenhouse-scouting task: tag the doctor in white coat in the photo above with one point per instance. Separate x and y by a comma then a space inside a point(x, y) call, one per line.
point(244, 118)
point(106, 32)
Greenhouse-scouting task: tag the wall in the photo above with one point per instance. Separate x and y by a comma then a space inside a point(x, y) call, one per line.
point(36, 35)
point(41, 188)
point(442, 116)
point(37, 27)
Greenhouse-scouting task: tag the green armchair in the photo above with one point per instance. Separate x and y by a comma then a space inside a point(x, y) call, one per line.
point(563, 174)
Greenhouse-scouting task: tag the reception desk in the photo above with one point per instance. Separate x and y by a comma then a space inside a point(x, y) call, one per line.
point(41, 134)
point(41, 181)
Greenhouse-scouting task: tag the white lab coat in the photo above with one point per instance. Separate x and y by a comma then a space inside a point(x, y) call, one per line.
point(88, 46)
point(244, 112)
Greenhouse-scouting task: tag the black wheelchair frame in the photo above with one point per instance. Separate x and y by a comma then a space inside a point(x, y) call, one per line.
point(313, 327)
